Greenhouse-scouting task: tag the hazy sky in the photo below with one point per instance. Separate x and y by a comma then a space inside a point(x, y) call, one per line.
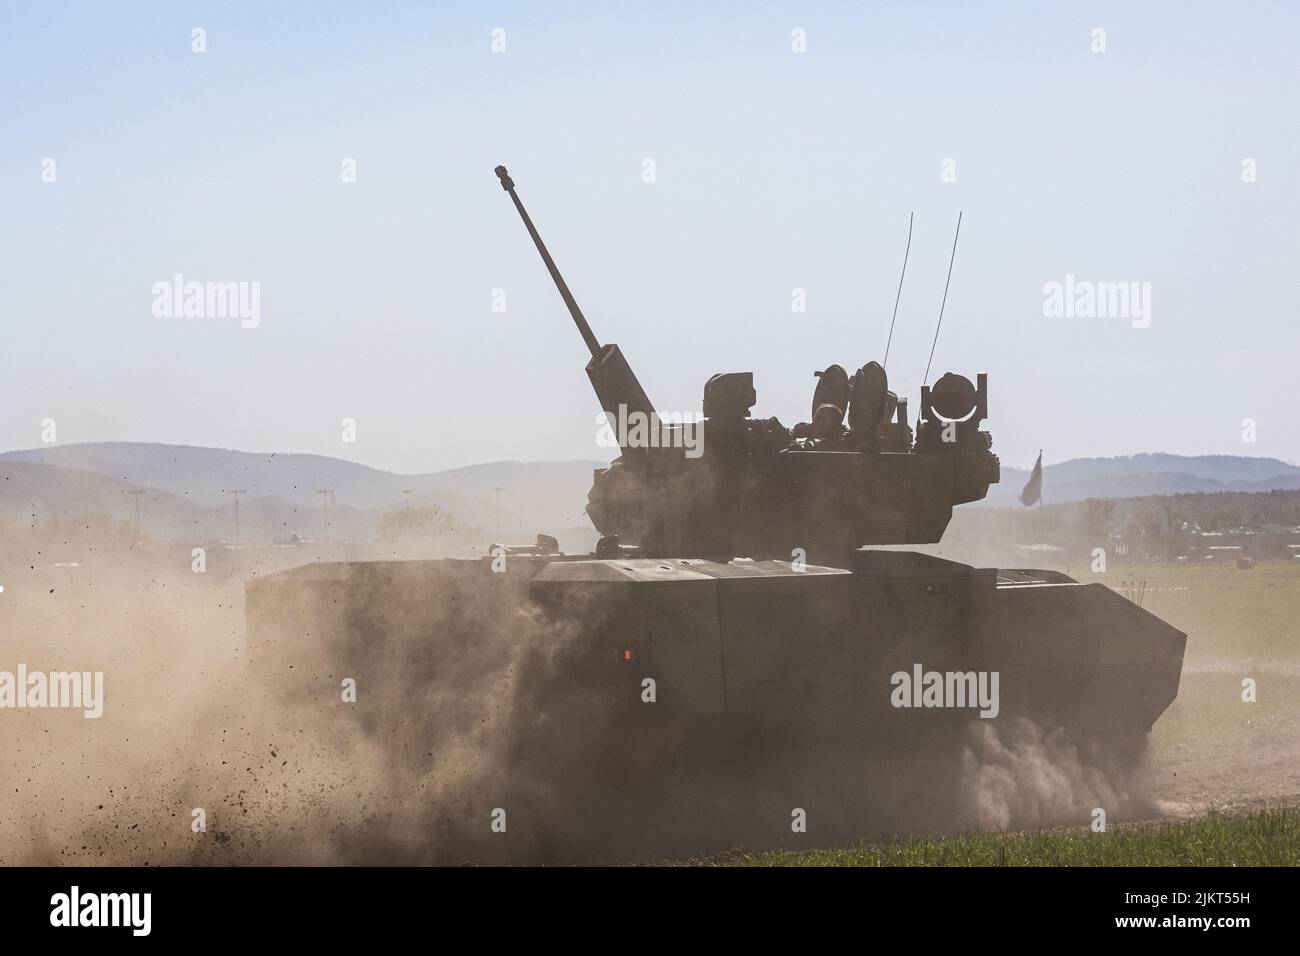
point(774, 170)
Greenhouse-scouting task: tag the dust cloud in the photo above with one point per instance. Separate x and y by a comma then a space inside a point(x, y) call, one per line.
point(1016, 775)
point(265, 750)
point(487, 705)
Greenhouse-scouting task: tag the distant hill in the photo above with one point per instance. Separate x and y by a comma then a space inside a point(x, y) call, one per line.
point(280, 496)
point(33, 492)
point(1148, 474)
point(201, 474)
point(518, 499)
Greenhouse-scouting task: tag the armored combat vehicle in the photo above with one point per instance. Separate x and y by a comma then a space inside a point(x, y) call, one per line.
point(743, 609)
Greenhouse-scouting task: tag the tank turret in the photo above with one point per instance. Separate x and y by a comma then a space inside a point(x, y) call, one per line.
point(732, 485)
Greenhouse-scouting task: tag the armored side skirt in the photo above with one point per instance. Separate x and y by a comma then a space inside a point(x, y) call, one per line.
point(900, 647)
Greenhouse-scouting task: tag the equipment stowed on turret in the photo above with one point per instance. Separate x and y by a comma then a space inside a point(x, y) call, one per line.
point(741, 583)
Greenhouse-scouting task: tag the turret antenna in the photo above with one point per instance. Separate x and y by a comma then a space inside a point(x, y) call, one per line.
point(910, 216)
point(926, 380)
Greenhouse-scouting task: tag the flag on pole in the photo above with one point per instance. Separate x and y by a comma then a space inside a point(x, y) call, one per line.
point(1034, 487)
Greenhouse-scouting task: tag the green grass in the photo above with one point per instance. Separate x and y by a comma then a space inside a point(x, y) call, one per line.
point(1226, 613)
point(1269, 837)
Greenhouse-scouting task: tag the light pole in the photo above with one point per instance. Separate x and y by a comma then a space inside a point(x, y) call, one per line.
point(236, 492)
point(136, 493)
point(326, 496)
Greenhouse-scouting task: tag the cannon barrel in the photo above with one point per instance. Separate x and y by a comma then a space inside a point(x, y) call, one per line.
point(617, 388)
point(579, 319)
